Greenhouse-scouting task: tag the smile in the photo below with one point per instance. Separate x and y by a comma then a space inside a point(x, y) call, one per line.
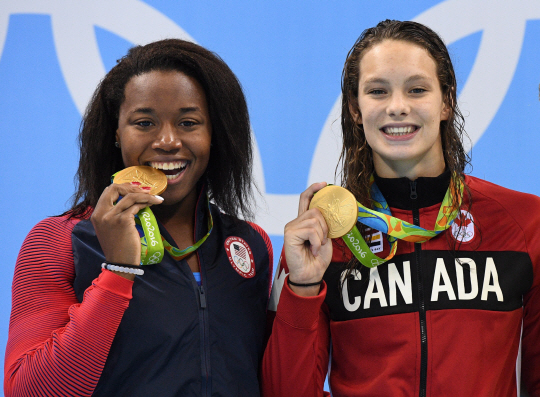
point(171, 169)
point(399, 131)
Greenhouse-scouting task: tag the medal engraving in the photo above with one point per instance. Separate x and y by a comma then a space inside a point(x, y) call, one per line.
point(338, 207)
point(145, 175)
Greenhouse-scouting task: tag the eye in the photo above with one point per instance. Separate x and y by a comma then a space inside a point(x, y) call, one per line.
point(376, 91)
point(188, 123)
point(144, 123)
point(418, 90)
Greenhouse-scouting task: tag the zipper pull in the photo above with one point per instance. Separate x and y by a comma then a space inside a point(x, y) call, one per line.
point(414, 195)
point(202, 297)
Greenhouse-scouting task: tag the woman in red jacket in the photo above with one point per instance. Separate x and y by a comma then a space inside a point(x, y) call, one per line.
point(442, 296)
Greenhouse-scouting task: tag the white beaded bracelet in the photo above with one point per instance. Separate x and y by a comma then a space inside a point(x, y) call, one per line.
point(130, 269)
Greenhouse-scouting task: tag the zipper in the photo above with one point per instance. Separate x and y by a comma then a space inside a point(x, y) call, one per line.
point(204, 332)
point(421, 298)
point(202, 297)
point(414, 194)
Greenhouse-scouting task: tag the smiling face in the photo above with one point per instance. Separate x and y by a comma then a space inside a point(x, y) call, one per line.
point(400, 105)
point(164, 123)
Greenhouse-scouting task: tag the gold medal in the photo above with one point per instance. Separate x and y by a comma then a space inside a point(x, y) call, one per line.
point(339, 208)
point(145, 175)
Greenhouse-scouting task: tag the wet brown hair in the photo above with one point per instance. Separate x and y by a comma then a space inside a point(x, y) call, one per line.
point(356, 155)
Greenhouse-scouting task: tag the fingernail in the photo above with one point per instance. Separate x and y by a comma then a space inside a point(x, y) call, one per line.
point(159, 197)
point(146, 188)
point(136, 183)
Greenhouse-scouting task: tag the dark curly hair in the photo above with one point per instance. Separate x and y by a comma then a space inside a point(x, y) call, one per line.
point(356, 155)
point(228, 175)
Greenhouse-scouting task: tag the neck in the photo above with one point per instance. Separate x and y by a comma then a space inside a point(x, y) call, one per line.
point(181, 215)
point(409, 169)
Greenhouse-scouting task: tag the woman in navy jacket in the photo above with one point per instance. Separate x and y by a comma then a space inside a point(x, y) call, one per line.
point(187, 327)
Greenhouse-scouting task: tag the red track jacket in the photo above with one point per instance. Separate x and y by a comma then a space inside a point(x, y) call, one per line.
point(442, 318)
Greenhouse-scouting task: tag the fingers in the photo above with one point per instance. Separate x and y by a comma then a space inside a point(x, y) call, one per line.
point(307, 195)
point(134, 202)
point(309, 227)
point(114, 191)
point(307, 248)
point(133, 196)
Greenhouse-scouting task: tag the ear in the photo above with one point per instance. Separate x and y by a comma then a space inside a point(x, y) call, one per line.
point(116, 137)
point(448, 104)
point(354, 109)
point(445, 112)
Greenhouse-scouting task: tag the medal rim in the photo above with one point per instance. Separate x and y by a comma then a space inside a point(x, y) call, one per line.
point(341, 191)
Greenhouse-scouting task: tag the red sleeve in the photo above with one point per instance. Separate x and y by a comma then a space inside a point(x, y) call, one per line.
point(531, 301)
point(56, 346)
point(295, 361)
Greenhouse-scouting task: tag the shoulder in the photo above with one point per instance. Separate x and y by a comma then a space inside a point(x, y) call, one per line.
point(497, 192)
point(53, 229)
point(508, 213)
point(245, 229)
point(250, 232)
point(524, 207)
point(47, 250)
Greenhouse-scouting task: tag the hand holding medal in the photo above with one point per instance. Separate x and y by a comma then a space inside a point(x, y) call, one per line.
point(155, 182)
point(307, 249)
point(114, 220)
point(340, 211)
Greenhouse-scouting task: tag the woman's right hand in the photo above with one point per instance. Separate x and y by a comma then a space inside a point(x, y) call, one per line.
point(308, 250)
point(115, 224)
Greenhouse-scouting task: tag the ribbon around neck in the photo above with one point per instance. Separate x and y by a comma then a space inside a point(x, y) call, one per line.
point(382, 220)
point(153, 244)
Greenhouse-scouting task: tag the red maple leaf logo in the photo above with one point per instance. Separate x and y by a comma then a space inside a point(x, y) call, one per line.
point(463, 221)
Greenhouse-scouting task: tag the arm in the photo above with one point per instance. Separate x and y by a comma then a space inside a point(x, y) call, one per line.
point(531, 339)
point(531, 312)
point(296, 358)
point(56, 346)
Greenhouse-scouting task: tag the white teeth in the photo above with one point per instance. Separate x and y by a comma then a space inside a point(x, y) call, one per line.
point(169, 177)
point(397, 131)
point(173, 165)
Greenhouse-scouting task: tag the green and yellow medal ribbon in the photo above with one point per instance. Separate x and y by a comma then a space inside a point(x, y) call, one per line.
point(153, 245)
point(382, 220)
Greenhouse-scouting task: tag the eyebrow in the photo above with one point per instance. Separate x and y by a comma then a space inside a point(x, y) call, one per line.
point(379, 80)
point(182, 110)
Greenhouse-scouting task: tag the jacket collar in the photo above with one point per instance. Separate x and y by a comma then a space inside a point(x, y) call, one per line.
point(399, 192)
point(201, 218)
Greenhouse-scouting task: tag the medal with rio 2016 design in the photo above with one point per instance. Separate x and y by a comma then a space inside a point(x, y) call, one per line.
point(152, 242)
point(334, 204)
point(146, 177)
point(338, 207)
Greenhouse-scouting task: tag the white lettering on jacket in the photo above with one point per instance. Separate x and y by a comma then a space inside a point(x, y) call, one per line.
point(445, 285)
point(441, 284)
point(355, 274)
point(394, 280)
point(491, 273)
point(460, 263)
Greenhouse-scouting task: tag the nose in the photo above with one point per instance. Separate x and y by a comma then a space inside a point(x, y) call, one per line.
point(167, 139)
point(398, 105)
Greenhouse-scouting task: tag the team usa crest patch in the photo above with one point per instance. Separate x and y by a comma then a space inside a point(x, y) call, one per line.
point(463, 227)
point(240, 256)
